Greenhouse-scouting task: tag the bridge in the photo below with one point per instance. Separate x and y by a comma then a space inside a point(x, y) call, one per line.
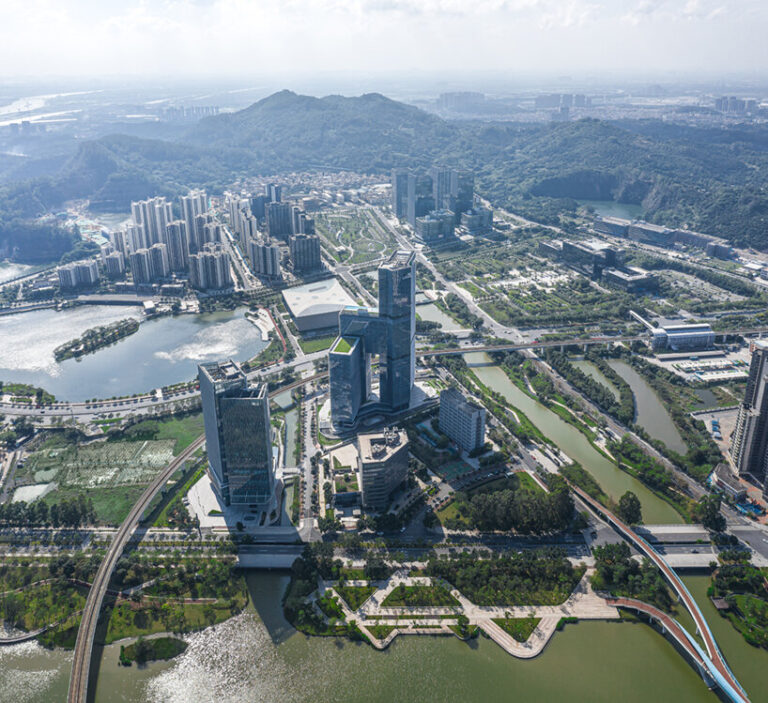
point(81, 660)
point(713, 660)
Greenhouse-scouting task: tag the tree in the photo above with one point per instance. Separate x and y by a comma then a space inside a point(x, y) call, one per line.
point(630, 509)
point(707, 512)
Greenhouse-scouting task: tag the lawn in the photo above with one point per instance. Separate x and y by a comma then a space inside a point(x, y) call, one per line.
point(111, 504)
point(355, 596)
point(184, 430)
point(380, 632)
point(316, 344)
point(520, 628)
point(420, 596)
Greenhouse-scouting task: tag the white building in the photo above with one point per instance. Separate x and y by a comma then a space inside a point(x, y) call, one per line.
point(462, 420)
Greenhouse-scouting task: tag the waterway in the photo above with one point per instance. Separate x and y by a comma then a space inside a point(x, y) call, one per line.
point(258, 656)
point(165, 350)
point(291, 423)
point(613, 480)
point(650, 413)
point(610, 208)
point(591, 370)
point(431, 313)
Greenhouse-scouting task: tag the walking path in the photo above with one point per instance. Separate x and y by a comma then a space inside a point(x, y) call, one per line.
point(583, 603)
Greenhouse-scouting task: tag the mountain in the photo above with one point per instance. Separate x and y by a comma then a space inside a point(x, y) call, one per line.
point(712, 180)
point(287, 131)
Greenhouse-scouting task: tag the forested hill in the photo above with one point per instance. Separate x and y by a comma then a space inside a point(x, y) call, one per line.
point(290, 131)
point(712, 180)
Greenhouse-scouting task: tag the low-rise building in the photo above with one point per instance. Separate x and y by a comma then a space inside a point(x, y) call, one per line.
point(315, 306)
point(723, 479)
point(631, 279)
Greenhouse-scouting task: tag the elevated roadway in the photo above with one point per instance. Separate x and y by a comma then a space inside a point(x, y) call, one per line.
point(714, 660)
point(81, 660)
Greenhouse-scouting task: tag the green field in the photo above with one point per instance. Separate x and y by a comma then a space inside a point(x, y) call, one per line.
point(316, 344)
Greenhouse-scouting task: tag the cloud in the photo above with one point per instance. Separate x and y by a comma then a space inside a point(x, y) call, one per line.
point(272, 37)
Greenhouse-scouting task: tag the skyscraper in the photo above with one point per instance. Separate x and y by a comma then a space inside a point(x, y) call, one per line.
point(279, 223)
point(399, 193)
point(383, 465)
point(387, 332)
point(238, 434)
point(305, 252)
point(419, 198)
point(274, 192)
point(749, 442)
point(176, 243)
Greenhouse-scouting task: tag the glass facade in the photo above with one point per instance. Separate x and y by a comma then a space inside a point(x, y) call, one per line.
point(389, 333)
point(237, 434)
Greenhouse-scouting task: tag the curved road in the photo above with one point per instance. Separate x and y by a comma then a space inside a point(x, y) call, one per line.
point(722, 674)
point(81, 661)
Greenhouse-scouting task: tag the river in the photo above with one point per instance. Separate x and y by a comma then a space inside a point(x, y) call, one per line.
point(258, 656)
point(165, 350)
point(612, 479)
point(650, 413)
point(591, 370)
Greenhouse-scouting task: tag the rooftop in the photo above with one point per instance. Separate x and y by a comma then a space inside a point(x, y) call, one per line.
point(380, 446)
point(317, 298)
point(222, 370)
point(344, 345)
point(399, 259)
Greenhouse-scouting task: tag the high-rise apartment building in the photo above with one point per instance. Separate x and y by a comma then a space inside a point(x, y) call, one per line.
point(749, 441)
point(193, 205)
point(80, 274)
point(279, 224)
point(150, 265)
point(382, 465)
point(305, 252)
point(387, 332)
point(238, 434)
point(462, 420)
point(209, 269)
point(265, 259)
point(114, 264)
point(177, 242)
point(153, 215)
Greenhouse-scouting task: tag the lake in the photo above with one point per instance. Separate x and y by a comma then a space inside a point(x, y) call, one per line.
point(165, 350)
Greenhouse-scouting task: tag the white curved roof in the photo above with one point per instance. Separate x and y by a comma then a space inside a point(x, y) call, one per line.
point(317, 298)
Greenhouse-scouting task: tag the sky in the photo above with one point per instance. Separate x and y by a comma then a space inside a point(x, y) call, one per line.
point(187, 38)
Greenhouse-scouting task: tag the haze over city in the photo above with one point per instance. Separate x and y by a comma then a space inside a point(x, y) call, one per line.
point(384, 350)
point(188, 38)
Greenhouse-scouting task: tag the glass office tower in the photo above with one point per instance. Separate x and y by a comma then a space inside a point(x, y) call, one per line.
point(237, 434)
point(389, 333)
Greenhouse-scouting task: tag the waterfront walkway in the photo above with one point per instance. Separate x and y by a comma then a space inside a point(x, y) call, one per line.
point(583, 603)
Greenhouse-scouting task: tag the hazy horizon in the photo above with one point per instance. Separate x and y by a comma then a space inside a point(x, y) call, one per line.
point(656, 40)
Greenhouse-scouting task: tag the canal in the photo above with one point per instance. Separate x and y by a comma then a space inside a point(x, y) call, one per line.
point(591, 370)
point(650, 413)
point(164, 351)
point(612, 479)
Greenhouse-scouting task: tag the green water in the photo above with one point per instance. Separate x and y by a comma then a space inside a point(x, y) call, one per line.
point(749, 664)
point(431, 313)
point(591, 370)
point(257, 656)
point(650, 413)
point(614, 481)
